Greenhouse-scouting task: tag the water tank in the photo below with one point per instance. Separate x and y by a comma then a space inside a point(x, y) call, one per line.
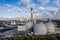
point(50, 27)
point(40, 28)
point(28, 25)
point(21, 27)
point(13, 23)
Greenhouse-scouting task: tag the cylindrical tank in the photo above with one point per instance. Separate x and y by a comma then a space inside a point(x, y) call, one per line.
point(28, 25)
point(21, 28)
point(50, 27)
point(13, 23)
point(40, 28)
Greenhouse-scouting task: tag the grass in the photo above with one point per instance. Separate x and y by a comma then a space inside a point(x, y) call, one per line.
point(37, 37)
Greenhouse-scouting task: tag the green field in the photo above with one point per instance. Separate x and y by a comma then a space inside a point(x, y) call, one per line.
point(37, 37)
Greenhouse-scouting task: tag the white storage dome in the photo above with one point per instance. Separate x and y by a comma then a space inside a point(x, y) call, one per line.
point(40, 29)
point(50, 27)
point(28, 25)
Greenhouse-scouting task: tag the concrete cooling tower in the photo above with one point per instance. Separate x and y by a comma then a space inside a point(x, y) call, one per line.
point(40, 29)
point(50, 27)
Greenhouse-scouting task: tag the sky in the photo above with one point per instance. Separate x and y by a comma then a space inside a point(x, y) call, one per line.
point(21, 8)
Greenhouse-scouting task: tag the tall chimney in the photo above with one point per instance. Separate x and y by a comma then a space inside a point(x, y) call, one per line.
point(31, 14)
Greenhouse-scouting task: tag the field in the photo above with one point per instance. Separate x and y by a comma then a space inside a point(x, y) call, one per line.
point(37, 37)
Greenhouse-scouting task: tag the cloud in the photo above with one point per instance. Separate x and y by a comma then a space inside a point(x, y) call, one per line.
point(23, 11)
point(44, 2)
point(9, 10)
point(52, 9)
point(25, 8)
point(28, 4)
point(45, 11)
point(33, 5)
point(1, 16)
point(17, 9)
point(8, 5)
point(56, 3)
point(41, 8)
point(25, 2)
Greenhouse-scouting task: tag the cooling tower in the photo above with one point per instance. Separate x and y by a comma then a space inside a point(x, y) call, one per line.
point(50, 27)
point(40, 29)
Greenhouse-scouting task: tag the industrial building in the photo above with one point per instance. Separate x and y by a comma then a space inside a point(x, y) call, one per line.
point(31, 26)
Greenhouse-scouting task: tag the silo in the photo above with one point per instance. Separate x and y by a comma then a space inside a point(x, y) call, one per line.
point(40, 28)
point(50, 27)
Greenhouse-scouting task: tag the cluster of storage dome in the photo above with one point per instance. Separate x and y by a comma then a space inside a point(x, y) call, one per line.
point(43, 28)
point(40, 28)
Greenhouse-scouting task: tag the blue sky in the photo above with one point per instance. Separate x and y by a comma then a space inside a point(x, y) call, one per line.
point(21, 8)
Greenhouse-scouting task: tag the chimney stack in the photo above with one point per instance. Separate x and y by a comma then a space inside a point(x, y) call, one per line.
point(31, 14)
